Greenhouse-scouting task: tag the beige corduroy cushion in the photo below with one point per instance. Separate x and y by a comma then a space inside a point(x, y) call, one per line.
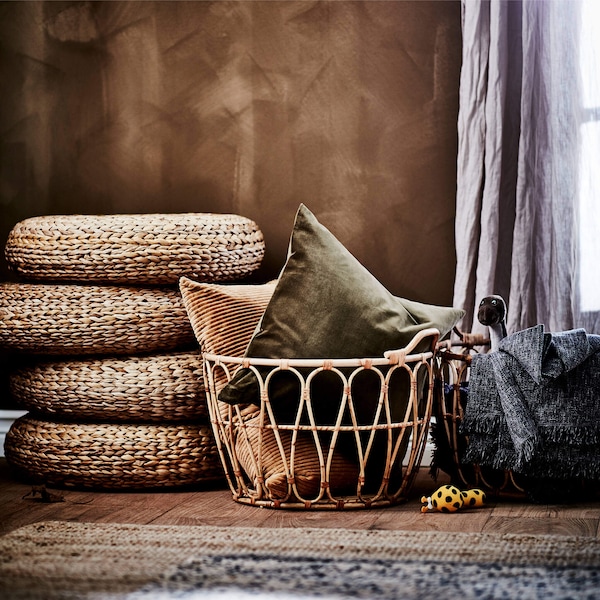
point(224, 317)
point(304, 473)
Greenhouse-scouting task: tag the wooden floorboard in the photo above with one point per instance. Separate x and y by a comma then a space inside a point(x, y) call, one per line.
point(214, 506)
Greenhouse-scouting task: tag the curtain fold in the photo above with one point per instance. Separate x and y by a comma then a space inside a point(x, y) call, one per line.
point(518, 162)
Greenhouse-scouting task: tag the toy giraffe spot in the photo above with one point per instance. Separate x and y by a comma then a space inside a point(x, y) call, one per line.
point(473, 498)
point(449, 499)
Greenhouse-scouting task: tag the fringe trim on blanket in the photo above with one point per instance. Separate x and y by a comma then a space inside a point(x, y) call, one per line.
point(556, 461)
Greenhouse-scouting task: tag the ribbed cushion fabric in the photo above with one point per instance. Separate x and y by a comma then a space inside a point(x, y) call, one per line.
point(224, 317)
point(306, 472)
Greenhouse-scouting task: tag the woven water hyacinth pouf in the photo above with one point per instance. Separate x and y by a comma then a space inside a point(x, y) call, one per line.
point(163, 388)
point(91, 319)
point(153, 249)
point(114, 349)
point(112, 455)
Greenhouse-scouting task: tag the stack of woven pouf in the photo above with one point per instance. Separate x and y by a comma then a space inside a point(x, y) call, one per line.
point(108, 365)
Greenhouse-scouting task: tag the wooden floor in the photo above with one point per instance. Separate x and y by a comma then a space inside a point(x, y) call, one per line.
point(216, 507)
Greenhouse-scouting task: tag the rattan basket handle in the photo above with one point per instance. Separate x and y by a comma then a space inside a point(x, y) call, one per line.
point(401, 353)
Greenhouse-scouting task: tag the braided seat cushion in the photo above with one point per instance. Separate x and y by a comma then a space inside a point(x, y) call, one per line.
point(154, 249)
point(163, 388)
point(112, 456)
point(89, 319)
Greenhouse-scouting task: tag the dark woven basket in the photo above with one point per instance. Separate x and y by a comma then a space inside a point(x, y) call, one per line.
point(451, 395)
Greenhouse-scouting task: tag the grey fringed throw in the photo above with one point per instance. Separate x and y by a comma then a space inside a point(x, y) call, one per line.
point(534, 405)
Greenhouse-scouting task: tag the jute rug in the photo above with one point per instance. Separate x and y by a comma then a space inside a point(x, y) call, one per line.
point(149, 562)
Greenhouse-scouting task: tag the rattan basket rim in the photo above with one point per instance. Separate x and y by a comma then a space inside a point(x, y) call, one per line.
point(391, 357)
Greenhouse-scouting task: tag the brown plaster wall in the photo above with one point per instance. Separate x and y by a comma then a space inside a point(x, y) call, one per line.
point(245, 107)
point(249, 107)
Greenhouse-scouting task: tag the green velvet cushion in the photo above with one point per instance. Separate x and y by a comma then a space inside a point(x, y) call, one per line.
point(327, 305)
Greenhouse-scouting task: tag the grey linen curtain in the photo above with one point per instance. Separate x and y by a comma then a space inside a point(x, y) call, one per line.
point(518, 164)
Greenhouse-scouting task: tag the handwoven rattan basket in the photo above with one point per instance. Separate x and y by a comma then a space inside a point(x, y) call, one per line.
point(92, 319)
point(164, 388)
point(152, 249)
point(112, 456)
point(451, 395)
point(304, 463)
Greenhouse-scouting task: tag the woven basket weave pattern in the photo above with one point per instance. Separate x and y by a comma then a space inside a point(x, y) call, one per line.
point(156, 388)
point(78, 319)
point(300, 475)
point(111, 413)
point(154, 249)
point(112, 456)
point(452, 370)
